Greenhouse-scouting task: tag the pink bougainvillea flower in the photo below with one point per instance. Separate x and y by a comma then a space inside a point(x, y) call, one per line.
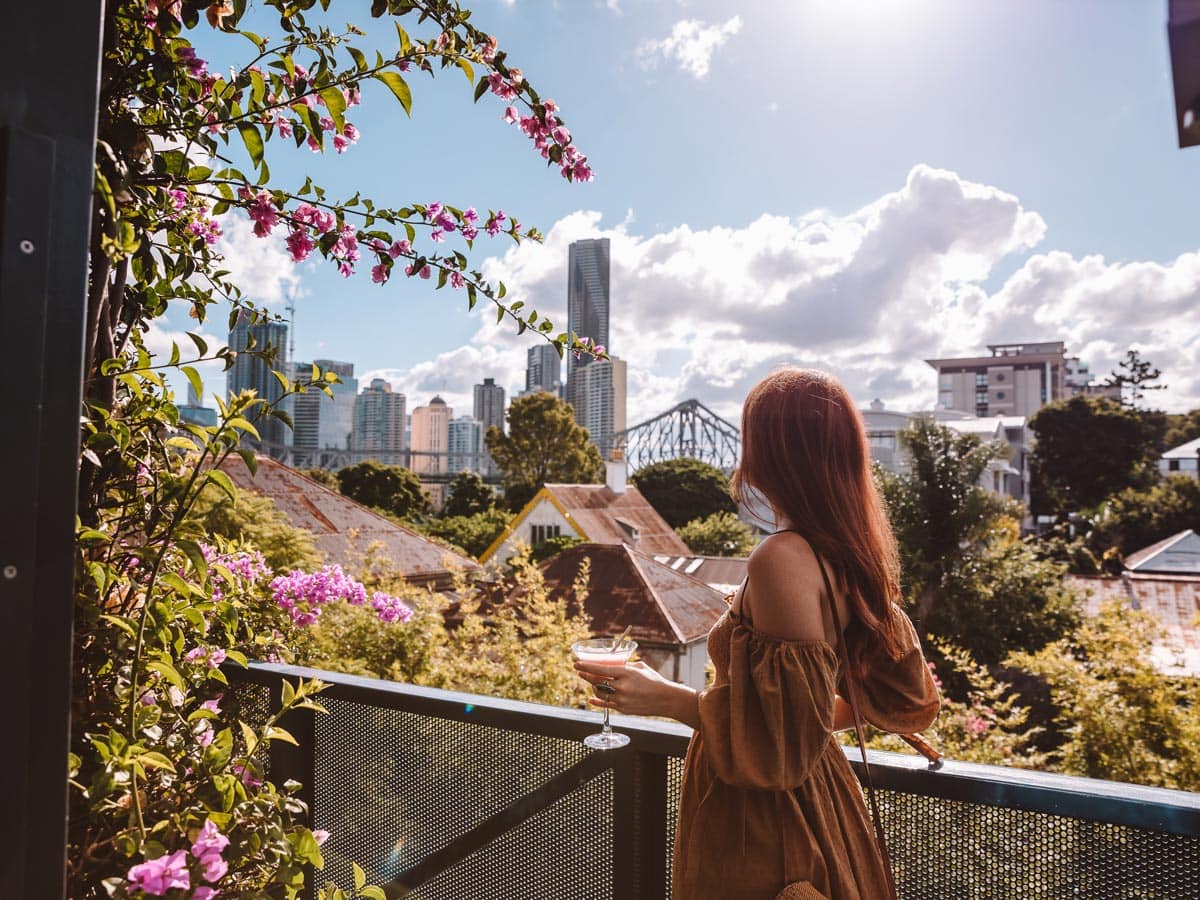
point(327, 124)
point(379, 274)
point(283, 126)
point(437, 235)
point(510, 115)
point(470, 232)
point(402, 247)
point(157, 876)
point(320, 835)
point(340, 144)
point(204, 893)
point(299, 245)
point(470, 215)
point(583, 172)
point(457, 281)
point(433, 210)
point(425, 272)
point(488, 50)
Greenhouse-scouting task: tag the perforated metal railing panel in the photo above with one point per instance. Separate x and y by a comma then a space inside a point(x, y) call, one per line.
point(393, 787)
point(946, 849)
point(674, 780)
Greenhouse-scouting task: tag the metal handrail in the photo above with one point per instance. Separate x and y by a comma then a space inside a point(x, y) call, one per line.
point(1089, 799)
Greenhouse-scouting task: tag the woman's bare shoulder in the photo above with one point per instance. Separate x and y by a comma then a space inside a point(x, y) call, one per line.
point(785, 588)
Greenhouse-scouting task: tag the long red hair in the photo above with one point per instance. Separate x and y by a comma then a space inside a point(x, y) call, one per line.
point(805, 448)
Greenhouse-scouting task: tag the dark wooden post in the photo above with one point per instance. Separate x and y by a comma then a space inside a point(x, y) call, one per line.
point(49, 77)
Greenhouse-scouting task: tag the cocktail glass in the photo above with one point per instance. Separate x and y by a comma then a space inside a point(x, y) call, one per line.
point(600, 651)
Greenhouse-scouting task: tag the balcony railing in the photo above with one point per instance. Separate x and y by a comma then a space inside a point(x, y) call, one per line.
point(449, 796)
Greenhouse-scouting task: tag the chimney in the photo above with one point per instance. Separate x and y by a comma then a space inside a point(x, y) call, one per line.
point(615, 471)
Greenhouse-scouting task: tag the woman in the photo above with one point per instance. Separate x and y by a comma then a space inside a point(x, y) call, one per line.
point(769, 806)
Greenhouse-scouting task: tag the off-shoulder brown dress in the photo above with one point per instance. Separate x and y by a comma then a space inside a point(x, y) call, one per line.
point(768, 799)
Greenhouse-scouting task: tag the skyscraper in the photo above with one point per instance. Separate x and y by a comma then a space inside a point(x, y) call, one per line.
point(489, 412)
point(464, 444)
point(431, 437)
point(543, 369)
point(600, 401)
point(379, 424)
point(587, 299)
point(489, 404)
point(322, 422)
point(252, 372)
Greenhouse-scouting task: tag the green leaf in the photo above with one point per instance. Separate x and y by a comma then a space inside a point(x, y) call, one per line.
point(258, 87)
point(399, 87)
point(219, 478)
point(275, 733)
point(335, 102)
point(122, 623)
point(360, 61)
point(195, 556)
point(167, 671)
point(467, 68)
point(250, 459)
point(243, 425)
point(372, 892)
point(252, 138)
point(155, 760)
point(481, 87)
point(193, 377)
point(405, 43)
point(360, 877)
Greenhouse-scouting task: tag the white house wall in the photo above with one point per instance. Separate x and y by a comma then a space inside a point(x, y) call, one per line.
point(543, 513)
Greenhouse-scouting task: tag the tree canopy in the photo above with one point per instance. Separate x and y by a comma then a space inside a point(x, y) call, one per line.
point(682, 490)
point(966, 574)
point(394, 489)
point(544, 445)
point(1089, 448)
point(468, 495)
point(719, 534)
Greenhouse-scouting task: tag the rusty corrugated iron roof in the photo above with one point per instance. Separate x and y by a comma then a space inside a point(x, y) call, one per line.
point(342, 529)
point(722, 573)
point(626, 587)
point(1173, 601)
point(607, 517)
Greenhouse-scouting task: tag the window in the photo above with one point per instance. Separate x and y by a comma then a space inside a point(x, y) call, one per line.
point(1172, 465)
point(539, 534)
point(981, 397)
point(999, 376)
point(999, 395)
point(981, 379)
point(884, 439)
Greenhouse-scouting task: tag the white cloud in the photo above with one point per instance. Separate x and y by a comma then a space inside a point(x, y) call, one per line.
point(867, 295)
point(691, 45)
point(261, 267)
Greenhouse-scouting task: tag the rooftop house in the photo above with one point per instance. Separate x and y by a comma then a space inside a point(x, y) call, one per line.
point(669, 612)
point(344, 530)
point(610, 513)
point(1181, 460)
point(1164, 581)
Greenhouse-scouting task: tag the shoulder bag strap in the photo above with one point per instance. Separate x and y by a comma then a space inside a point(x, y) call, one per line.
point(851, 690)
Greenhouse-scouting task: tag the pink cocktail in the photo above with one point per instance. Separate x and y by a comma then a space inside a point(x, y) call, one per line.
point(601, 652)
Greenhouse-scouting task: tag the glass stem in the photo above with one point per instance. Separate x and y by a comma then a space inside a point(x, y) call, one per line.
point(607, 729)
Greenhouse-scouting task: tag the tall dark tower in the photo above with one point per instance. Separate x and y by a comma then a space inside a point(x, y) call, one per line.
point(251, 372)
point(587, 300)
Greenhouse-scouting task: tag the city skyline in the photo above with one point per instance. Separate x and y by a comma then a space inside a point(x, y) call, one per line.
point(811, 244)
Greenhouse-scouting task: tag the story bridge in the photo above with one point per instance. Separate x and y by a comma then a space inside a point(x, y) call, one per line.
point(688, 429)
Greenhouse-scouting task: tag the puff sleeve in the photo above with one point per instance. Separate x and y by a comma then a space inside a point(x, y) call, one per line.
point(767, 725)
point(899, 695)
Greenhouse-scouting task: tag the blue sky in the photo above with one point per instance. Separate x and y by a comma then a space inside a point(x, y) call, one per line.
point(856, 185)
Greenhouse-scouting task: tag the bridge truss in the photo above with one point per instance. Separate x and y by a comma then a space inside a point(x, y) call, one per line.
point(689, 429)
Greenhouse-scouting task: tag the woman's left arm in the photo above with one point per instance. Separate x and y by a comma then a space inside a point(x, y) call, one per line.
point(637, 690)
